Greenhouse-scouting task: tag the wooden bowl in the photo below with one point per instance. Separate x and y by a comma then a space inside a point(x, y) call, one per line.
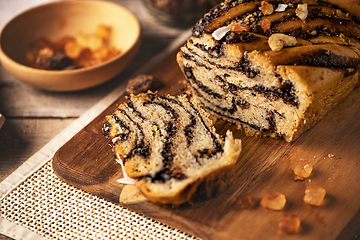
point(57, 19)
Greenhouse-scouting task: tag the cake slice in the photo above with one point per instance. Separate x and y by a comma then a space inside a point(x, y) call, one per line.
point(169, 146)
point(274, 68)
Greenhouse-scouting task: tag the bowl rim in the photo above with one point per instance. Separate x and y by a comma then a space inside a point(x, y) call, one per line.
point(3, 55)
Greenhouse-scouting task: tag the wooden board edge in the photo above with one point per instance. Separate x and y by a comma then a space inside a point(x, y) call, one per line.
point(2, 120)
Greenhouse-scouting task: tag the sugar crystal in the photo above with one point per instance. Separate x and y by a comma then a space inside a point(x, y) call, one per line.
point(244, 200)
point(303, 169)
point(314, 195)
point(273, 200)
point(289, 223)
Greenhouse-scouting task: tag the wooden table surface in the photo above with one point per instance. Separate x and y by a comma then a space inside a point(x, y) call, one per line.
point(34, 117)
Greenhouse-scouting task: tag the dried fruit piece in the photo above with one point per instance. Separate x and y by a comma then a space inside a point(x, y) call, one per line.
point(103, 32)
point(95, 43)
point(58, 61)
point(236, 27)
point(273, 200)
point(266, 8)
point(84, 50)
point(290, 223)
point(82, 40)
point(279, 40)
point(42, 55)
point(265, 24)
point(303, 169)
point(72, 49)
point(314, 195)
point(245, 200)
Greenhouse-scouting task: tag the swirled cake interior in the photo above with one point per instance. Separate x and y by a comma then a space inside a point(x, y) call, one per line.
point(169, 146)
point(274, 68)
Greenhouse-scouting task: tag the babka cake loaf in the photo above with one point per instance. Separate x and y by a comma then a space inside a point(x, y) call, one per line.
point(169, 146)
point(274, 68)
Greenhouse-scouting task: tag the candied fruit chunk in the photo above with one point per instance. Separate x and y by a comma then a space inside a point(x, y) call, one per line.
point(43, 54)
point(72, 49)
point(273, 200)
point(86, 59)
point(236, 27)
point(289, 223)
point(103, 31)
point(314, 195)
point(265, 24)
point(46, 52)
point(266, 8)
point(101, 53)
point(82, 40)
point(245, 200)
point(83, 50)
point(303, 169)
point(95, 43)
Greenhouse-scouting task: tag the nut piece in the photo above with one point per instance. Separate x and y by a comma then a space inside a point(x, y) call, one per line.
point(281, 7)
point(266, 8)
point(279, 40)
point(220, 32)
point(302, 11)
point(289, 223)
point(314, 195)
point(273, 200)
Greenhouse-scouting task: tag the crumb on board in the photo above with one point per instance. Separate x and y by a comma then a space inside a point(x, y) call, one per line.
point(142, 83)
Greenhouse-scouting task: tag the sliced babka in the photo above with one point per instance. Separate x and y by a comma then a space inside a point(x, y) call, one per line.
point(274, 68)
point(169, 146)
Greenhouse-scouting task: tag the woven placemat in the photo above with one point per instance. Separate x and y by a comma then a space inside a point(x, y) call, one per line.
point(53, 209)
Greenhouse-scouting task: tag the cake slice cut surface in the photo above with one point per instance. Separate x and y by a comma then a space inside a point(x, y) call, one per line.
point(169, 146)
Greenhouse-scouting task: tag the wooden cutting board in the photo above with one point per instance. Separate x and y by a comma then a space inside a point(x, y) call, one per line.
point(332, 146)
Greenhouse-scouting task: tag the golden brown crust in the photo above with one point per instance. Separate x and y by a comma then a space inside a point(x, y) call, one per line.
point(207, 184)
point(266, 69)
point(350, 6)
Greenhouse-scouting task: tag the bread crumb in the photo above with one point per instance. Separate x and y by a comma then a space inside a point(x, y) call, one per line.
point(142, 83)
